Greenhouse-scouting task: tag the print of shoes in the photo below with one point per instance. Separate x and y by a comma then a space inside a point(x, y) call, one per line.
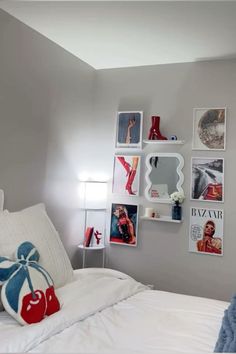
point(125, 164)
point(130, 181)
point(154, 133)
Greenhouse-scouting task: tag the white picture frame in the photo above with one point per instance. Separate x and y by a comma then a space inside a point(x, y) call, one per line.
point(122, 211)
point(129, 130)
point(126, 175)
point(207, 179)
point(209, 129)
point(171, 171)
point(206, 231)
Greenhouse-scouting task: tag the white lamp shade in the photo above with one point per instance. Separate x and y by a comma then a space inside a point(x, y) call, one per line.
point(94, 194)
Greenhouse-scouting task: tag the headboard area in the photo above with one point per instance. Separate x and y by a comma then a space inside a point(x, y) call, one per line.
point(1, 199)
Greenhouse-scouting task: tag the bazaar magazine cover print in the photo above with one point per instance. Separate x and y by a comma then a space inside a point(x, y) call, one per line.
point(124, 221)
point(209, 128)
point(206, 231)
point(126, 175)
point(207, 179)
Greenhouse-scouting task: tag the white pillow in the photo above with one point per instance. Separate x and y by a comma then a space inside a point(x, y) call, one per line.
point(33, 225)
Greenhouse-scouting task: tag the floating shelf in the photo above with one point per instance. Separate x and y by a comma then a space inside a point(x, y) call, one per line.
point(164, 142)
point(162, 218)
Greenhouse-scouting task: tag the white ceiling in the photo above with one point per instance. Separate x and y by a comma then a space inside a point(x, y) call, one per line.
point(113, 34)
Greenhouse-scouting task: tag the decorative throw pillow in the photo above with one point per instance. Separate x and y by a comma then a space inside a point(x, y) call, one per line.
point(33, 224)
point(27, 293)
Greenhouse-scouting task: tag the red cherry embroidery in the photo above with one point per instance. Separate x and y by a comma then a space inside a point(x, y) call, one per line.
point(33, 307)
point(53, 304)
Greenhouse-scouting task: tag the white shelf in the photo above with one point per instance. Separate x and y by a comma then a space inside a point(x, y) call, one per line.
point(162, 218)
point(92, 248)
point(164, 142)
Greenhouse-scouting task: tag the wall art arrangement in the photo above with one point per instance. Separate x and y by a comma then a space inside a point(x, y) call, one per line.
point(126, 175)
point(206, 231)
point(209, 128)
point(124, 222)
point(207, 179)
point(129, 130)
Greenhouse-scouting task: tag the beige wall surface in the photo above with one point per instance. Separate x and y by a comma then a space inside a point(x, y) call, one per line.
point(58, 120)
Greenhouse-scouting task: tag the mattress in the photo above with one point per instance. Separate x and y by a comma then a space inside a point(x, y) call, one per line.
point(107, 311)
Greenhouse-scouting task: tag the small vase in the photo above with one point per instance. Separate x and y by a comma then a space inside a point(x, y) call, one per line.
point(176, 212)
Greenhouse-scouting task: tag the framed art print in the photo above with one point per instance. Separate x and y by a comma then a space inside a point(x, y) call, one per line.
point(207, 182)
point(209, 128)
point(124, 224)
point(206, 231)
point(126, 175)
point(129, 130)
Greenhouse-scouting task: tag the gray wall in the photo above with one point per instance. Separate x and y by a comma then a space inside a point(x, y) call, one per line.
point(45, 113)
point(58, 119)
point(172, 91)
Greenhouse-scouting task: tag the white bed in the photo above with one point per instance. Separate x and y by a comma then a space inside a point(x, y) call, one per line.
point(107, 311)
point(102, 310)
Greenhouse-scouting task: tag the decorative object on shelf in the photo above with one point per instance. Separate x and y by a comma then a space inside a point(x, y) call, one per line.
point(87, 237)
point(207, 183)
point(173, 137)
point(93, 196)
point(209, 128)
point(154, 132)
point(177, 198)
point(98, 236)
point(126, 175)
point(206, 231)
point(164, 176)
point(129, 130)
point(124, 223)
point(149, 212)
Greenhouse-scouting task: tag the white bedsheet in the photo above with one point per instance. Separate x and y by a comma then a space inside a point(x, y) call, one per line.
point(107, 311)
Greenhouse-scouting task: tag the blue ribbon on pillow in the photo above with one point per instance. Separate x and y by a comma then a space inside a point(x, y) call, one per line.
point(16, 272)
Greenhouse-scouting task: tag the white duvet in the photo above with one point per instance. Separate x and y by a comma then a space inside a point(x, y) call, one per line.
point(107, 311)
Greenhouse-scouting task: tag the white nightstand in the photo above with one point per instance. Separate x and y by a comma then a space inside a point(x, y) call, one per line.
point(101, 248)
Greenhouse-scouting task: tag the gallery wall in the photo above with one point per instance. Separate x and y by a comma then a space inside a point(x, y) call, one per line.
point(58, 120)
point(172, 91)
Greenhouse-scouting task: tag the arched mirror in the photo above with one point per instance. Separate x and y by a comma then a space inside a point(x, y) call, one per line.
point(164, 176)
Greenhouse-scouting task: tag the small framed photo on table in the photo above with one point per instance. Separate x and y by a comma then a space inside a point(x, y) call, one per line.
point(129, 129)
point(209, 128)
